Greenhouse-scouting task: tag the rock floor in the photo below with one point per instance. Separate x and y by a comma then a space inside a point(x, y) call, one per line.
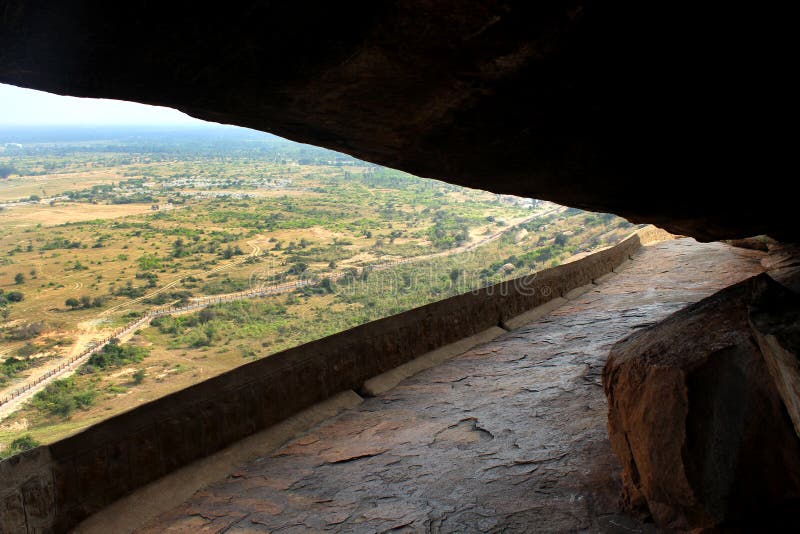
point(510, 436)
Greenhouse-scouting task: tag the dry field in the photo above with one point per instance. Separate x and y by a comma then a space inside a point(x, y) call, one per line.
point(18, 217)
point(51, 185)
point(320, 219)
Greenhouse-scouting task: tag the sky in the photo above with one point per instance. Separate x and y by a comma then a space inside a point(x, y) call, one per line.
point(26, 107)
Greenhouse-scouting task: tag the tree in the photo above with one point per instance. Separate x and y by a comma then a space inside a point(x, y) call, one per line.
point(327, 285)
point(19, 278)
point(205, 315)
point(298, 268)
point(6, 171)
point(73, 303)
point(138, 376)
point(86, 301)
point(14, 296)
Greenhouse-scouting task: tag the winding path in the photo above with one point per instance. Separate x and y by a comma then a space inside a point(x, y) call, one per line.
point(14, 398)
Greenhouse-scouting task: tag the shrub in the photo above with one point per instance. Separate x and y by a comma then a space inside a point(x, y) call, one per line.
point(169, 296)
point(226, 285)
point(129, 291)
point(62, 397)
point(12, 366)
point(148, 261)
point(27, 350)
point(26, 331)
point(298, 268)
point(138, 376)
point(152, 278)
point(21, 444)
point(61, 243)
point(206, 315)
point(115, 355)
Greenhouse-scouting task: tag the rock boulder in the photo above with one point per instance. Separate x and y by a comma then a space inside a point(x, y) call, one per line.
point(697, 417)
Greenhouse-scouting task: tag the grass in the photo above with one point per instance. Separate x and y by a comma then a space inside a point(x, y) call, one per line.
point(289, 214)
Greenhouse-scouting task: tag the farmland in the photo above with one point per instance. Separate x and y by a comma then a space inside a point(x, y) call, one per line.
point(97, 229)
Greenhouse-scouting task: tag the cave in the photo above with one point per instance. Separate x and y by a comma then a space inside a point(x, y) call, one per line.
point(666, 114)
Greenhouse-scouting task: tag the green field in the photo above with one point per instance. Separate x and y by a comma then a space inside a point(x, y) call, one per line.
point(95, 232)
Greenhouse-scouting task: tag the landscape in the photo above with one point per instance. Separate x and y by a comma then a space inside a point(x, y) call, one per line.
point(138, 261)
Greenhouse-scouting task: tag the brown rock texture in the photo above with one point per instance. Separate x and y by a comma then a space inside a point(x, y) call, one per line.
point(775, 321)
point(696, 418)
point(508, 437)
point(782, 264)
point(649, 110)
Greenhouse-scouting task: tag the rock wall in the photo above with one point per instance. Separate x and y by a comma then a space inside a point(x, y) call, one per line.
point(701, 411)
point(576, 102)
point(57, 486)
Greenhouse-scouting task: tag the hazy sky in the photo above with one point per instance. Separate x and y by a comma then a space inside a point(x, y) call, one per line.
point(28, 107)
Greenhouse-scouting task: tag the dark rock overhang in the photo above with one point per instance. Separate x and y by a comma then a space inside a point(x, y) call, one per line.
point(659, 112)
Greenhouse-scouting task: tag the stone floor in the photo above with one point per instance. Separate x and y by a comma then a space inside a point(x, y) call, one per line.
point(510, 436)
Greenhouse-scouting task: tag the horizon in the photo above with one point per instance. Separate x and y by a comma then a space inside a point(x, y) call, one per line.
point(22, 107)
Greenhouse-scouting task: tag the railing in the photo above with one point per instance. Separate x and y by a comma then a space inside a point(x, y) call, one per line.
point(203, 302)
point(78, 359)
point(74, 361)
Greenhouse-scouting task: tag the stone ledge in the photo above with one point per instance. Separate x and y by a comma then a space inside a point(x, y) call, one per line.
point(146, 503)
point(92, 469)
point(534, 314)
point(388, 380)
point(578, 291)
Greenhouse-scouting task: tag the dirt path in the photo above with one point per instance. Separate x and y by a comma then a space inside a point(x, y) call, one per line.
point(14, 397)
point(12, 401)
point(291, 286)
point(124, 305)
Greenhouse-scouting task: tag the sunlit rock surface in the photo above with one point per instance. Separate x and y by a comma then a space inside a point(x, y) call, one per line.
point(697, 411)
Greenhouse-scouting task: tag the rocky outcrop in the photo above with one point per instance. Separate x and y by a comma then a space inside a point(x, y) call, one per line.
point(760, 242)
point(776, 325)
point(698, 410)
point(577, 102)
point(782, 264)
